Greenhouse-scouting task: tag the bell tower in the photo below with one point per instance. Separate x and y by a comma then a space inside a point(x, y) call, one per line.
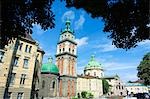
point(66, 52)
point(66, 58)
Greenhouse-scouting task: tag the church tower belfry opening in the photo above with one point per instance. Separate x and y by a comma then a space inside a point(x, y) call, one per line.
point(66, 58)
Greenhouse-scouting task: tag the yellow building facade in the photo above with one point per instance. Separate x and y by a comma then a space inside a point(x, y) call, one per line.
point(17, 67)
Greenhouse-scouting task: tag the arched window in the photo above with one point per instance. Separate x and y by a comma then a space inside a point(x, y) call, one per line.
point(94, 73)
point(63, 49)
point(53, 84)
point(43, 84)
point(73, 51)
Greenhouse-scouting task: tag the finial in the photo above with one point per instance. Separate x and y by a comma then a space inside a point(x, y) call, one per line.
point(92, 57)
point(50, 59)
point(67, 23)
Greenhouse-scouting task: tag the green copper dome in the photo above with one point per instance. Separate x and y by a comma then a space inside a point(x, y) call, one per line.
point(49, 67)
point(93, 63)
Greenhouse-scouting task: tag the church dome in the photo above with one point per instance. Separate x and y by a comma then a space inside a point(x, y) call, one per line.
point(49, 67)
point(93, 64)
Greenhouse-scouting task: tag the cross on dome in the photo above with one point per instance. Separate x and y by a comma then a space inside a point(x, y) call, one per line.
point(50, 59)
point(92, 57)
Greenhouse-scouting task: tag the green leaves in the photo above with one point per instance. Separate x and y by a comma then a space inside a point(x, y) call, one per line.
point(106, 86)
point(144, 69)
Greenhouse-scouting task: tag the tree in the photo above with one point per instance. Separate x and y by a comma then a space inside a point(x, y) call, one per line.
point(84, 94)
point(18, 16)
point(126, 20)
point(144, 69)
point(106, 86)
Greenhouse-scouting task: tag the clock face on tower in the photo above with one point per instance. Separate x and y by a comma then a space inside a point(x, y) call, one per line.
point(66, 52)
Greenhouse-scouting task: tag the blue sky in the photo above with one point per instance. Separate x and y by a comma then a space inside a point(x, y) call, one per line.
point(91, 40)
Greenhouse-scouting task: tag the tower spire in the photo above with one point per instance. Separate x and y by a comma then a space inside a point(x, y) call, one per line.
point(68, 23)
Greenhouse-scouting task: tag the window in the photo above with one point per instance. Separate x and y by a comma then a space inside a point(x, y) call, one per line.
point(72, 51)
point(63, 49)
point(26, 61)
point(20, 96)
point(43, 84)
point(94, 73)
point(1, 56)
point(16, 61)
point(119, 86)
point(12, 78)
point(26, 50)
point(59, 50)
point(20, 46)
point(9, 95)
point(53, 84)
point(22, 80)
point(30, 49)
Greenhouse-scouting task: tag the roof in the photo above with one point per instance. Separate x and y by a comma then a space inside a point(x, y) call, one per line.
point(88, 76)
point(111, 77)
point(92, 64)
point(41, 50)
point(27, 37)
point(49, 67)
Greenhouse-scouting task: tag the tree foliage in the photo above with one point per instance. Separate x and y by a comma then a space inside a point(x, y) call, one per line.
point(106, 86)
point(126, 20)
point(18, 16)
point(86, 95)
point(144, 69)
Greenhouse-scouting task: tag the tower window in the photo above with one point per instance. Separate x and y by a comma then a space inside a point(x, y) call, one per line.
point(1, 55)
point(72, 51)
point(53, 84)
point(26, 49)
point(43, 84)
point(63, 49)
point(94, 73)
point(20, 46)
point(12, 79)
point(20, 96)
point(26, 61)
point(59, 50)
point(16, 61)
point(30, 49)
point(23, 77)
point(69, 49)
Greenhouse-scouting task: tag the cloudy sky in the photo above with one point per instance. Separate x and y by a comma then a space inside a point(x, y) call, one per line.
point(91, 40)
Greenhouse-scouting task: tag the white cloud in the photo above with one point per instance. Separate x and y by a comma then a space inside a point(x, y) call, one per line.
point(145, 44)
point(37, 29)
point(106, 47)
point(68, 14)
point(82, 41)
point(79, 23)
point(111, 66)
